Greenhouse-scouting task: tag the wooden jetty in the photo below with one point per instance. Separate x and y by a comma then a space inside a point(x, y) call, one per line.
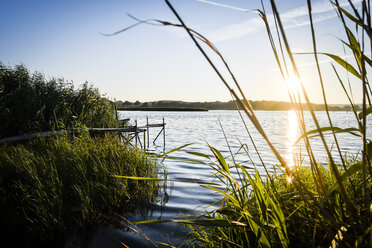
point(134, 132)
point(126, 134)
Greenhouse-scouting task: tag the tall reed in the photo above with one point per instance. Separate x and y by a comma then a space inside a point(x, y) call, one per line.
point(302, 205)
point(320, 206)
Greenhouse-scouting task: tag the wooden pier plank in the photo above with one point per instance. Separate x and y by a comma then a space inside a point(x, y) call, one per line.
point(117, 129)
point(155, 125)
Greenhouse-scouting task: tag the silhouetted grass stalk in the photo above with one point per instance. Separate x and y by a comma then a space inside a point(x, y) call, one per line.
point(318, 192)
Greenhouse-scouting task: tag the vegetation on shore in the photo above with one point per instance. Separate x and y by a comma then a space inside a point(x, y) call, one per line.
point(271, 211)
point(53, 187)
point(217, 105)
point(300, 205)
point(57, 187)
point(31, 103)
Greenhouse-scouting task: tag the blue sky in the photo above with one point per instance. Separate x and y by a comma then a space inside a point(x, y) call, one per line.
point(146, 63)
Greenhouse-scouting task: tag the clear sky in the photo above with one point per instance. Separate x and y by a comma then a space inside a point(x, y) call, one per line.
point(147, 63)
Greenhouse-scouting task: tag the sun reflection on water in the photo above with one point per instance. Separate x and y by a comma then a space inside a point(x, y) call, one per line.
point(292, 133)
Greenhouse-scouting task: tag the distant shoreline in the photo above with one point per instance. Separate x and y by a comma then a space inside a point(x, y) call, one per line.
point(231, 105)
point(207, 110)
point(182, 109)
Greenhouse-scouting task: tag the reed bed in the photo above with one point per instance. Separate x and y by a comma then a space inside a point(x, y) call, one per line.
point(52, 188)
point(29, 102)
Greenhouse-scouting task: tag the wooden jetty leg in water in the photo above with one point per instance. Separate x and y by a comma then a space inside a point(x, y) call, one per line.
point(144, 141)
point(136, 133)
point(132, 136)
point(157, 136)
point(163, 135)
point(148, 132)
point(139, 141)
point(127, 139)
point(161, 131)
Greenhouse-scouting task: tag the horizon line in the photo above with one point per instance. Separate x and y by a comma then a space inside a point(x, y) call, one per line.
point(229, 101)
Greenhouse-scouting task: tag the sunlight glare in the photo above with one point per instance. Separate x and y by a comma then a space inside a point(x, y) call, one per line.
point(293, 83)
point(289, 179)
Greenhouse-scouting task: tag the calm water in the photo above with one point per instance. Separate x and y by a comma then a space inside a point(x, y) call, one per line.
point(199, 128)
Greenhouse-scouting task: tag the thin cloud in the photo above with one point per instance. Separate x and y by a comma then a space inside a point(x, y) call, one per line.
point(315, 20)
point(223, 5)
point(316, 8)
point(237, 30)
point(322, 10)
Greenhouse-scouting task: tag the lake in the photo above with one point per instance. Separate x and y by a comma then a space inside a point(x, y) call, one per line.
point(202, 128)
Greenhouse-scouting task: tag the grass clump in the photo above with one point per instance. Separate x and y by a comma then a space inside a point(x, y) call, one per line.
point(54, 186)
point(259, 212)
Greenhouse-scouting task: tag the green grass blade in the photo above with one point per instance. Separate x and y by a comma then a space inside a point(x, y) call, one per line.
point(350, 16)
point(354, 46)
point(199, 154)
point(175, 149)
point(259, 195)
point(366, 59)
point(212, 222)
point(256, 227)
point(151, 221)
point(279, 221)
point(344, 64)
point(227, 195)
point(349, 172)
point(139, 178)
point(341, 62)
point(183, 159)
point(368, 111)
point(315, 132)
point(168, 180)
point(220, 159)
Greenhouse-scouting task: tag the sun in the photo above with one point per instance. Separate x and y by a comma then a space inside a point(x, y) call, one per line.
point(293, 83)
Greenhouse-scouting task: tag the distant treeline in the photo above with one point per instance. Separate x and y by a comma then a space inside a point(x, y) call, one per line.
point(150, 108)
point(230, 105)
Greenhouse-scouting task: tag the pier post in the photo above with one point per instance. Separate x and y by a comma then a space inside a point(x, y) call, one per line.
point(144, 141)
point(163, 135)
point(148, 132)
point(136, 133)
